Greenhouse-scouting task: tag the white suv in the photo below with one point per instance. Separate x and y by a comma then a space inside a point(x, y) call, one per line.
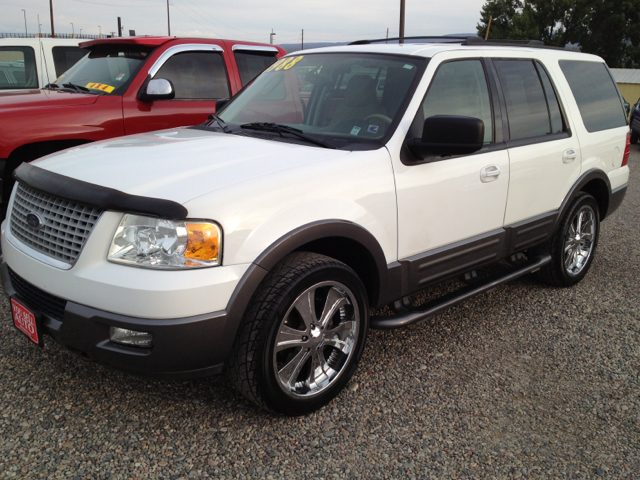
point(341, 179)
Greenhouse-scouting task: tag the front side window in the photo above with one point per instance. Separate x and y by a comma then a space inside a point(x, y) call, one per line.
point(66, 57)
point(17, 68)
point(596, 94)
point(460, 88)
point(345, 98)
point(196, 75)
point(105, 71)
point(252, 63)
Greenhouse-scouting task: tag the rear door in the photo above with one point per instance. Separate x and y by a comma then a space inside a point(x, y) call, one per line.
point(544, 153)
point(199, 76)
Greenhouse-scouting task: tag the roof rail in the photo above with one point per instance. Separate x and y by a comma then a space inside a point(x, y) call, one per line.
point(441, 37)
point(468, 41)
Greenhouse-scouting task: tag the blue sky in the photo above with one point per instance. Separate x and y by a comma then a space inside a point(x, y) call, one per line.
point(252, 20)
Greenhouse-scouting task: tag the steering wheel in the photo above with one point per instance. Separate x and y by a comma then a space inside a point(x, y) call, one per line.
point(378, 116)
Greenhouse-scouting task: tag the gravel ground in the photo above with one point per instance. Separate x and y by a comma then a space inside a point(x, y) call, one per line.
point(524, 382)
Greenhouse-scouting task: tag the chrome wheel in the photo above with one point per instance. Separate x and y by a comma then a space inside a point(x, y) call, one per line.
point(579, 240)
point(315, 339)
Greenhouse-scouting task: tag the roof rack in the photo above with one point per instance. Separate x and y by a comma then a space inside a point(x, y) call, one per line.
point(367, 42)
point(467, 41)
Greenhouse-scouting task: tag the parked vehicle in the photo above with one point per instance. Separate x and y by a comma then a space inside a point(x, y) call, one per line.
point(125, 86)
point(257, 242)
point(32, 63)
point(635, 122)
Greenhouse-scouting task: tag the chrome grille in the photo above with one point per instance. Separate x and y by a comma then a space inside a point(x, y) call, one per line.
point(66, 224)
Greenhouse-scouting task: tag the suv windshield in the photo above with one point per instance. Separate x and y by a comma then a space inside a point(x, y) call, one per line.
point(106, 70)
point(344, 98)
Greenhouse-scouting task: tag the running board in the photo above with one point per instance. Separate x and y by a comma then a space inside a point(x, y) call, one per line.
point(422, 313)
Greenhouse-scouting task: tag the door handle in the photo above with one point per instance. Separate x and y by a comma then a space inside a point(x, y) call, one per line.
point(569, 155)
point(489, 173)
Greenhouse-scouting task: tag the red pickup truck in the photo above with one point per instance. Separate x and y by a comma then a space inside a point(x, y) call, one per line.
point(125, 86)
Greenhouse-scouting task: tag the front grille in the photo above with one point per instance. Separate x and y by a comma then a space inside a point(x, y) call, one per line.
point(38, 299)
point(66, 224)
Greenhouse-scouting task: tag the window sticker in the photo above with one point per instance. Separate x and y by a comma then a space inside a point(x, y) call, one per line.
point(355, 130)
point(100, 86)
point(407, 66)
point(372, 129)
point(120, 76)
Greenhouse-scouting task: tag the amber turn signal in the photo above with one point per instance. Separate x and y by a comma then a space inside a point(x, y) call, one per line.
point(204, 242)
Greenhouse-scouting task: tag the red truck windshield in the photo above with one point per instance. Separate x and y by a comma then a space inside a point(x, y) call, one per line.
point(105, 71)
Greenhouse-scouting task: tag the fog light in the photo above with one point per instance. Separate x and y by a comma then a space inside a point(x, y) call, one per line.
point(130, 337)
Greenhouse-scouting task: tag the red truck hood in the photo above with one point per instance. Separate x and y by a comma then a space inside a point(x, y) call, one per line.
point(44, 98)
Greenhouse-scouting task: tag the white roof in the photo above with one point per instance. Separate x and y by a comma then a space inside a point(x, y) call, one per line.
point(626, 75)
point(430, 49)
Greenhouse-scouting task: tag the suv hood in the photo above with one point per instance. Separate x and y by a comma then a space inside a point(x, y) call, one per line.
point(179, 164)
point(44, 98)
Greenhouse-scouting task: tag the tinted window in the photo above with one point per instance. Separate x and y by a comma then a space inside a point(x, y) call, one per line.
point(251, 63)
point(196, 75)
point(106, 70)
point(526, 104)
point(460, 88)
point(18, 67)
point(596, 95)
point(555, 115)
point(66, 57)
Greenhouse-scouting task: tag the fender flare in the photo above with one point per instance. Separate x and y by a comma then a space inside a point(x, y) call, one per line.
point(586, 177)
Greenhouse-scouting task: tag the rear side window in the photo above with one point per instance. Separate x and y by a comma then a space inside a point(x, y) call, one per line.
point(17, 68)
point(595, 93)
point(527, 109)
point(252, 63)
point(196, 75)
point(66, 57)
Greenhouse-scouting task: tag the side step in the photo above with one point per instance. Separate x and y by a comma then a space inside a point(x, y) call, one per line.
point(390, 322)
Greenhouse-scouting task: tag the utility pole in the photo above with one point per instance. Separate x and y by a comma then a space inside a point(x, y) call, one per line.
point(53, 32)
point(39, 25)
point(99, 32)
point(119, 27)
point(271, 37)
point(387, 35)
point(168, 21)
point(401, 21)
point(80, 34)
point(25, 22)
point(302, 39)
point(73, 31)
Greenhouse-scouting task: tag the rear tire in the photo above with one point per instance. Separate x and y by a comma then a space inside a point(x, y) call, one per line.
point(574, 243)
point(302, 335)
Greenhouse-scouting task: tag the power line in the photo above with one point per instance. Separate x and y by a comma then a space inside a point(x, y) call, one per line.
point(118, 4)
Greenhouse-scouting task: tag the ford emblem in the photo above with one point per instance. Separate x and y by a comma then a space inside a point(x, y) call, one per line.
point(34, 221)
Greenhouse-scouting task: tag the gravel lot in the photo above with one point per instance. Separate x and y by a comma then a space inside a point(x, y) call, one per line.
point(524, 382)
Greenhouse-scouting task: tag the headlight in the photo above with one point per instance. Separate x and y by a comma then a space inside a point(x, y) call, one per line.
point(165, 244)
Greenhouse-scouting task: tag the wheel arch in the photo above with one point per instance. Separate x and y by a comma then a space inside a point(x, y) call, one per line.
point(595, 183)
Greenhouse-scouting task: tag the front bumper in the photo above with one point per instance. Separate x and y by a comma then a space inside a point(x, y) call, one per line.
point(183, 347)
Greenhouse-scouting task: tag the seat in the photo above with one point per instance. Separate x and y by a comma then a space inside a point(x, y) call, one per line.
point(360, 100)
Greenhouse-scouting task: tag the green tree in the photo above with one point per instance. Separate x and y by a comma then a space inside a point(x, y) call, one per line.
point(608, 28)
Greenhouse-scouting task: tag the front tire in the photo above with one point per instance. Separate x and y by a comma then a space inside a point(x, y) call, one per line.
point(574, 243)
point(302, 335)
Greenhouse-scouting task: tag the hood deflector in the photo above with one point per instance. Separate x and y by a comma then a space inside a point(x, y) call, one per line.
point(97, 195)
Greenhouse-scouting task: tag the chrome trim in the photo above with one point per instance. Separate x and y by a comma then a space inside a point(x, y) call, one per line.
point(191, 47)
point(258, 48)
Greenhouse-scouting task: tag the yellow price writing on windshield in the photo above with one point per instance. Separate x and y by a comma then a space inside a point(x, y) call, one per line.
point(284, 63)
point(100, 86)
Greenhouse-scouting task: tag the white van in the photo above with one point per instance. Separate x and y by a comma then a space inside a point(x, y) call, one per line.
point(31, 63)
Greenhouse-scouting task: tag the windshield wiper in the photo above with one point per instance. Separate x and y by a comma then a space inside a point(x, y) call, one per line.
point(78, 88)
point(279, 128)
point(220, 122)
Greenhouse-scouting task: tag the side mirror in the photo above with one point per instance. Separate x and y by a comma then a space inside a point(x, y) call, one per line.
point(448, 135)
point(157, 89)
point(220, 103)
